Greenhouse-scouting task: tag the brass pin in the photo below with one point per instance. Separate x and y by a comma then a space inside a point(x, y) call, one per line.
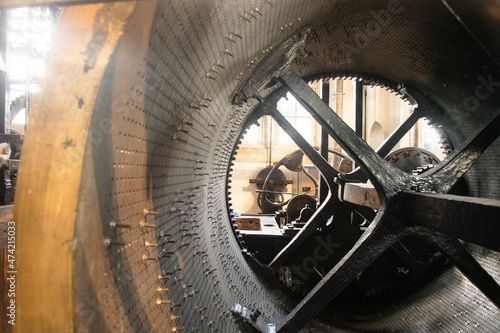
point(161, 290)
point(146, 258)
point(149, 212)
point(144, 224)
point(160, 301)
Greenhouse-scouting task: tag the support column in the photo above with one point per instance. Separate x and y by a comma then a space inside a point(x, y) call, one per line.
point(323, 187)
point(358, 124)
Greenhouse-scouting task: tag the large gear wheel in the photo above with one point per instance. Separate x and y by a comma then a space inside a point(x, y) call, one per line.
point(410, 159)
point(272, 200)
point(122, 215)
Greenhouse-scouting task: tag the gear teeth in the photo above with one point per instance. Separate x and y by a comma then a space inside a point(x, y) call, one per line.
point(422, 169)
point(445, 145)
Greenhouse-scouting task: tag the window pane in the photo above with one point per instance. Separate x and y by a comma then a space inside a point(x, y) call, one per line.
point(304, 127)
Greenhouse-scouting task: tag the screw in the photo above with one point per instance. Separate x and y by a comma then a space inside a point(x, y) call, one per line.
point(148, 244)
point(163, 277)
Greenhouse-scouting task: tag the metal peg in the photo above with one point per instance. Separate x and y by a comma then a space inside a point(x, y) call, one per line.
point(149, 212)
point(160, 301)
point(108, 242)
point(144, 224)
point(146, 258)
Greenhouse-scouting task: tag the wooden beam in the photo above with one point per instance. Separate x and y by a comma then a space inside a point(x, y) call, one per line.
point(6, 215)
point(50, 173)
point(361, 194)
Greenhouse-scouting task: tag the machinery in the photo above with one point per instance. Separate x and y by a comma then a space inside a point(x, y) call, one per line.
point(123, 214)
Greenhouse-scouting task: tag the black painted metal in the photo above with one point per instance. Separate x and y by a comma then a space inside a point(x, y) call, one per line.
point(358, 124)
point(385, 177)
point(402, 213)
point(398, 133)
point(464, 261)
point(323, 148)
point(272, 65)
point(378, 237)
point(474, 220)
point(389, 143)
point(325, 210)
point(442, 178)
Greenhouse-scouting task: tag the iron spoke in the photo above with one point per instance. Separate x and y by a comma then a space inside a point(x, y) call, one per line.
point(393, 139)
point(377, 238)
point(446, 174)
point(464, 261)
point(325, 210)
point(398, 133)
point(320, 216)
point(383, 175)
point(470, 219)
point(326, 170)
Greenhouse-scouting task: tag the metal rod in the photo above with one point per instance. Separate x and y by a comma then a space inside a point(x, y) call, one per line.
point(464, 261)
point(470, 219)
point(359, 107)
point(372, 243)
point(323, 187)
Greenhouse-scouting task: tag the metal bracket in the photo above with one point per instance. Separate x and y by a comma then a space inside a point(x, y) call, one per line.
point(250, 321)
point(275, 62)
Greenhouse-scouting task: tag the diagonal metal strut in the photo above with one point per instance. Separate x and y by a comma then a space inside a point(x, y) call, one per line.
point(386, 177)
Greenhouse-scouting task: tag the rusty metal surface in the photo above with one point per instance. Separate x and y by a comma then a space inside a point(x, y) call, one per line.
point(155, 131)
